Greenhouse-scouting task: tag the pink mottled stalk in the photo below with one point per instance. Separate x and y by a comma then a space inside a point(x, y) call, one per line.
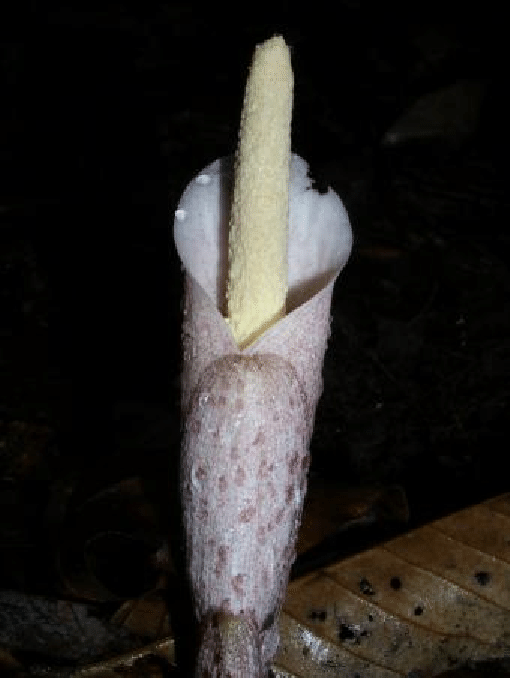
point(248, 419)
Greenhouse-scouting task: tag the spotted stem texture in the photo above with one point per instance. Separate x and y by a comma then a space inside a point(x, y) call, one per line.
point(248, 419)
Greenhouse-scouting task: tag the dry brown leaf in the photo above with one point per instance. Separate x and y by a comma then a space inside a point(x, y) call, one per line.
point(328, 511)
point(449, 113)
point(417, 605)
point(145, 616)
point(423, 602)
point(129, 663)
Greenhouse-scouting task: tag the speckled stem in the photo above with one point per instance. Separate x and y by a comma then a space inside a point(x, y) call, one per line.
point(247, 421)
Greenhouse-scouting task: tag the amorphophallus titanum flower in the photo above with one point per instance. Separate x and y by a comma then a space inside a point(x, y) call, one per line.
point(249, 395)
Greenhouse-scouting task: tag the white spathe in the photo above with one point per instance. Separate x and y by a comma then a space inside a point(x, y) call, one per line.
point(320, 236)
point(248, 417)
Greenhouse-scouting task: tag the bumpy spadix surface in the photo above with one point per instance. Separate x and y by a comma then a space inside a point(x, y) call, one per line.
point(248, 417)
point(257, 285)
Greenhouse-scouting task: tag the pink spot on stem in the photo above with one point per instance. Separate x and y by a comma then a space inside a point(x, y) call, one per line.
point(221, 560)
point(293, 463)
point(239, 476)
point(237, 584)
point(260, 438)
point(247, 514)
point(289, 494)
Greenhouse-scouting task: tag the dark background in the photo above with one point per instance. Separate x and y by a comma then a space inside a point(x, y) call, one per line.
point(108, 113)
